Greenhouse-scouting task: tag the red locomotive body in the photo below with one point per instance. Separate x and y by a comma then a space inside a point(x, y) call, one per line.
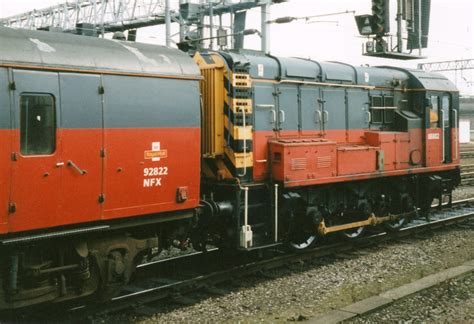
point(325, 143)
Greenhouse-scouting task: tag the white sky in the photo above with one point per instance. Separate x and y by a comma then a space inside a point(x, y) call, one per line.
point(451, 32)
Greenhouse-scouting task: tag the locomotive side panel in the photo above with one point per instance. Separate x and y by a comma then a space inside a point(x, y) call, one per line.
point(310, 114)
point(152, 145)
point(264, 127)
point(288, 120)
point(334, 114)
point(358, 115)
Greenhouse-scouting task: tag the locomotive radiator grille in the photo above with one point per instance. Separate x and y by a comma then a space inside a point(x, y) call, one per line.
point(213, 105)
point(238, 130)
point(323, 162)
point(227, 129)
point(299, 164)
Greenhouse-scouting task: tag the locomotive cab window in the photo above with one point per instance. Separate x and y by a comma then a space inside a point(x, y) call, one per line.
point(37, 124)
point(382, 109)
point(377, 109)
point(445, 103)
point(434, 111)
point(389, 109)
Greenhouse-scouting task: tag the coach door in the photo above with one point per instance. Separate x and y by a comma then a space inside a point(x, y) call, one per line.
point(82, 141)
point(5, 147)
point(35, 189)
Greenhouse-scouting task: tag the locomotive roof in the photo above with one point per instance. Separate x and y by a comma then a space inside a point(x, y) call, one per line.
point(61, 51)
point(278, 68)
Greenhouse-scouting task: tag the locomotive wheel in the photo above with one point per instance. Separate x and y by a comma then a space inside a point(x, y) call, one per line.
point(365, 209)
point(303, 235)
point(406, 205)
point(353, 233)
point(395, 225)
point(310, 242)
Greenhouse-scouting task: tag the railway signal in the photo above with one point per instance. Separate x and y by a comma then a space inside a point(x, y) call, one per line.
point(415, 14)
point(381, 16)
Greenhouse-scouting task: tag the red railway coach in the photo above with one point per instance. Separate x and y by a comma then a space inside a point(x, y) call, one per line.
point(92, 131)
point(113, 151)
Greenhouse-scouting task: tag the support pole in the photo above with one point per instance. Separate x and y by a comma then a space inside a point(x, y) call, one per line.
point(276, 212)
point(419, 27)
point(211, 25)
point(399, 26)
point(232, 45)
point(182, 24)
point(168, 23)
point(265, 28)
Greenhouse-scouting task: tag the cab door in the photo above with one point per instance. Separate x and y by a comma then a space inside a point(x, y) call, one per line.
point(446, 126)
point(36, 172)
point(436, 128)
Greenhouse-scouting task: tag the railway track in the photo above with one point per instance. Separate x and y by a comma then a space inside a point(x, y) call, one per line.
point(467, 174)
point(467, 153)
point(172, 279)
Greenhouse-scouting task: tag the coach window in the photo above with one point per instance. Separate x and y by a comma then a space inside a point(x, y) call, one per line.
point(37, 124)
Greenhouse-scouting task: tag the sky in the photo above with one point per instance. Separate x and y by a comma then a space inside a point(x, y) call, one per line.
point(335, 38)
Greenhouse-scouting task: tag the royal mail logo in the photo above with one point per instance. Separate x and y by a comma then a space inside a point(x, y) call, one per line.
point(433, 136)
point(156, 153)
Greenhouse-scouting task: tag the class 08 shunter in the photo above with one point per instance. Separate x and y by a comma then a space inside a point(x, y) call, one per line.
point(112, 152)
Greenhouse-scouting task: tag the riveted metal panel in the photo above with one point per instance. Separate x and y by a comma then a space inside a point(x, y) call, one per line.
point(334, 109)
point(300, 68)
point(358, 115)
point(311, 114)
point(338, 72)
point(264, 107)
point(288, 111)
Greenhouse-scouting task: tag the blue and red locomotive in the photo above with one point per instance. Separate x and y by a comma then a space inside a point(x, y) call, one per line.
point(112, 150)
